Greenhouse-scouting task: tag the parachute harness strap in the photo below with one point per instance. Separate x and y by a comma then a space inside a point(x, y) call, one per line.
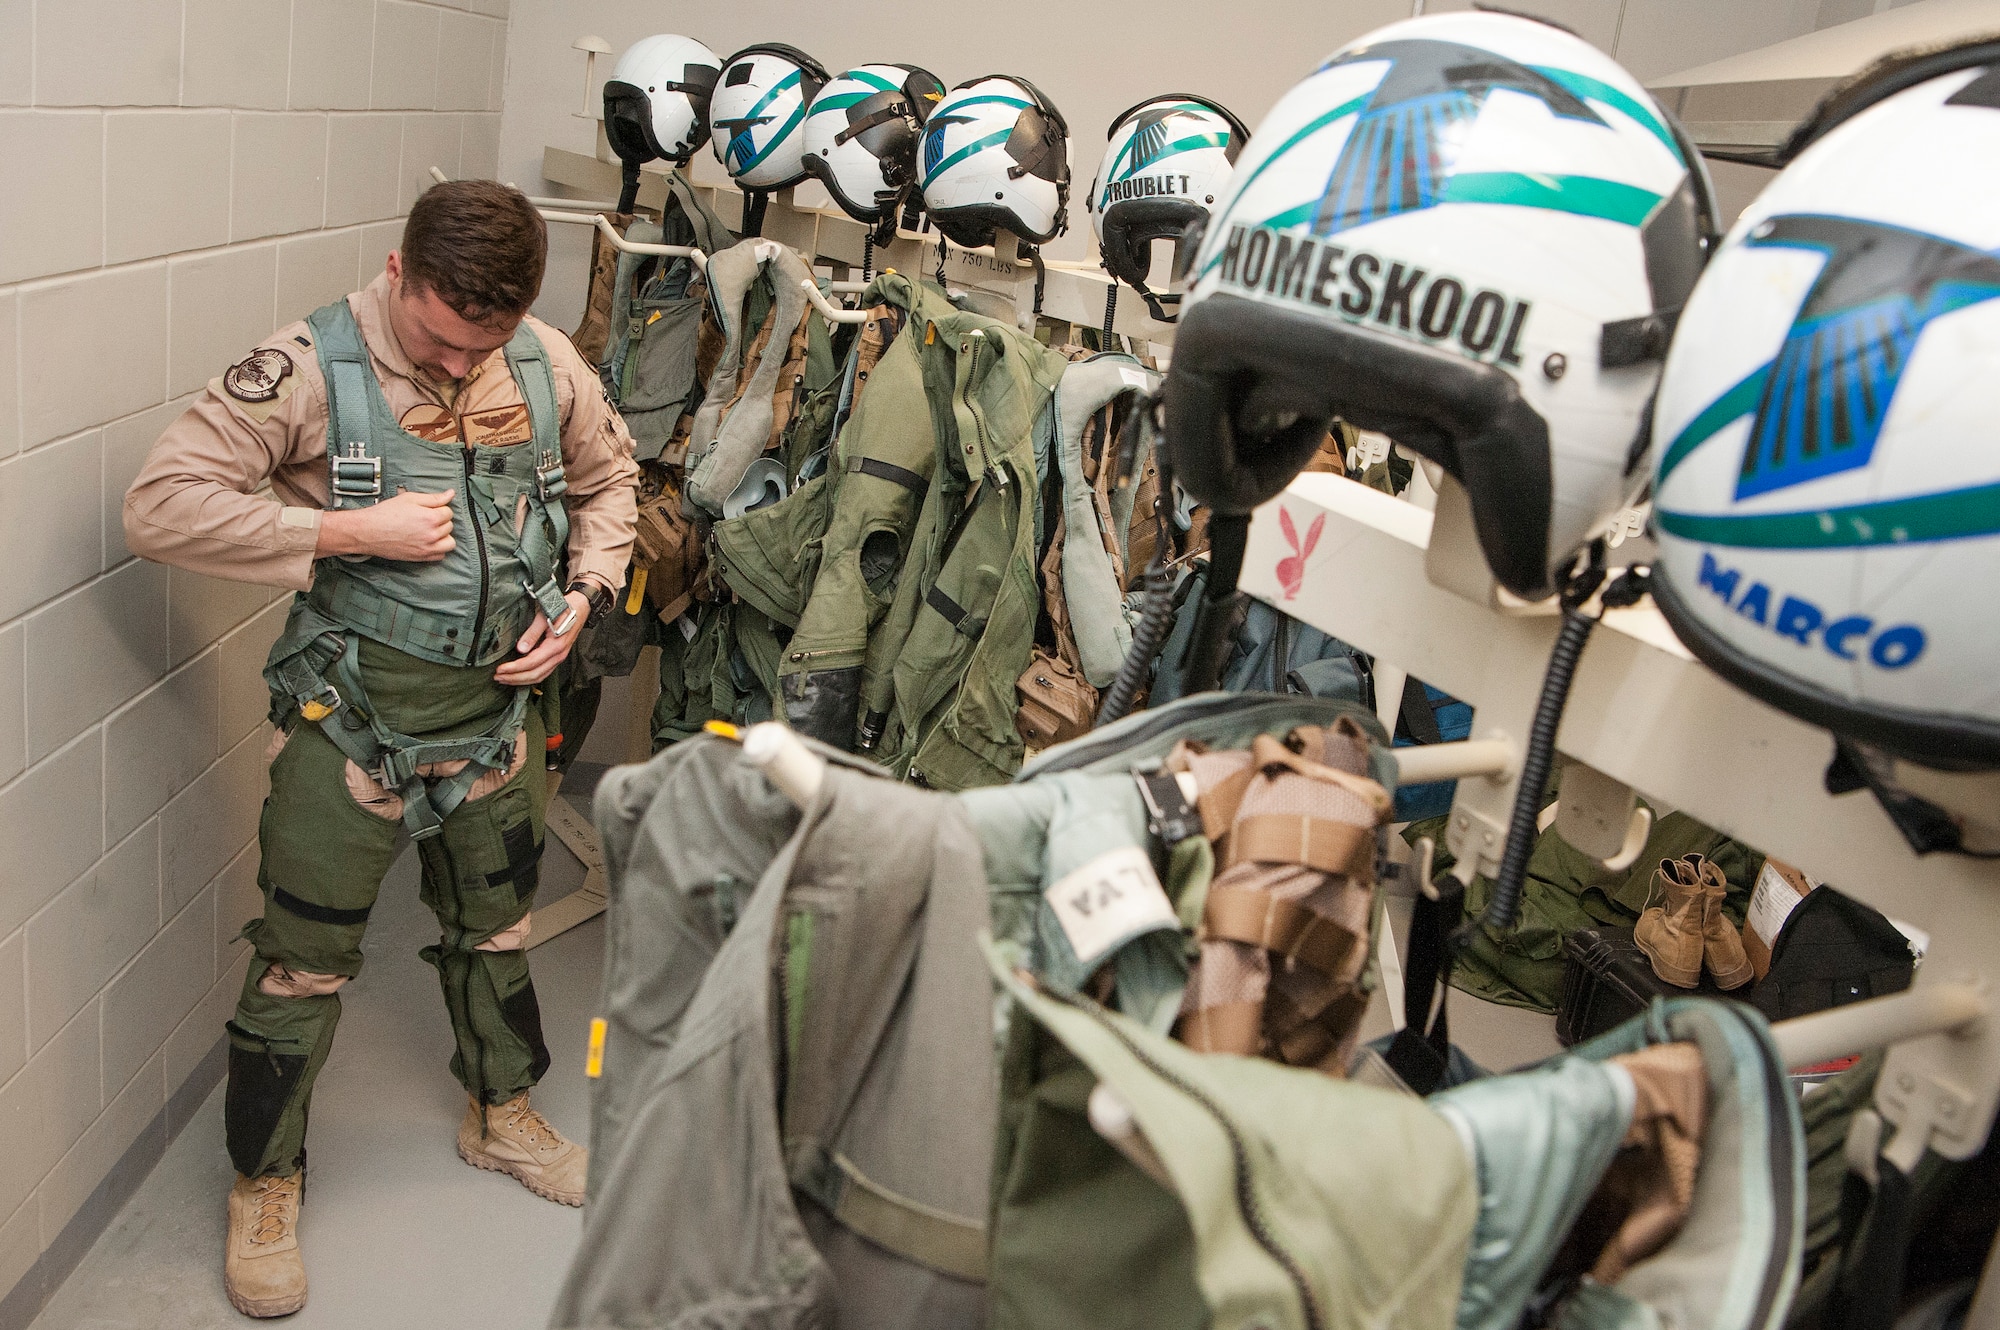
point(1578, 584)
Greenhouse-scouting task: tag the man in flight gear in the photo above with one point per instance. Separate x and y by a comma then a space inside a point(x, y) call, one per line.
point(435, 455)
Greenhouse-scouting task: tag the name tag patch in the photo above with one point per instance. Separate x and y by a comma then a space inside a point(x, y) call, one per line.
point(1108, 902)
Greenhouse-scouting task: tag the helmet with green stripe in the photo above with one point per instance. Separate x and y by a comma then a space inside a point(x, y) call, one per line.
point(1827, 498)
point(996, 158)
point(861, 137)
point(1468, 231)
point(758, 112)
point(1166, 164)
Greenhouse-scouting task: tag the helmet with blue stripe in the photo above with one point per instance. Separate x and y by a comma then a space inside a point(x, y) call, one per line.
point(758, 113)
point(996, 158)
point(1470, 232)
point(861, 137)
point(1167, 162)
point(1826, 501)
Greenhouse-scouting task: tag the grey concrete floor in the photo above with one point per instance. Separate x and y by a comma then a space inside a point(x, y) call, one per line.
point(397, 1231)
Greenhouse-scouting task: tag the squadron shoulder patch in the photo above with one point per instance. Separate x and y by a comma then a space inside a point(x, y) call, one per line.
point(259, 376)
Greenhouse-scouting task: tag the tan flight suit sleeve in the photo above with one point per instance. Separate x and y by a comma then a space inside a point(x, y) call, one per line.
point(597, 461)
point(196, 502)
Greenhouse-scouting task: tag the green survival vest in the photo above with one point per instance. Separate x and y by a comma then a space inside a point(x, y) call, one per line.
point(938, 696)
point(467, 609)
point(870, 498)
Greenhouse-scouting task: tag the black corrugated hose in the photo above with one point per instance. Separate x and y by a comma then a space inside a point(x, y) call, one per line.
point(1110, 315)
point(1148, 636)
point(1505, 902)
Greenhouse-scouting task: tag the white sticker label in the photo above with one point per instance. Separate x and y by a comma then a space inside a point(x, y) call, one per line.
point(1110, 900)
point(687, 626)
point(1771, 903)
point(1136, 378)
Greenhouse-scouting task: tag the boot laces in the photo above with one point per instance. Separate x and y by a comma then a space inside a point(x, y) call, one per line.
point(526, 1125)
point(277, 1207)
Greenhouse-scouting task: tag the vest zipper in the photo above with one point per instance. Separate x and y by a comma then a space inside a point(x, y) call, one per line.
point(478, 539)
point(1247, 1204)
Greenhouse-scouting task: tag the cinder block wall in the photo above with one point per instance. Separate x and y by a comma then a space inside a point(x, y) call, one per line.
point(182, 176)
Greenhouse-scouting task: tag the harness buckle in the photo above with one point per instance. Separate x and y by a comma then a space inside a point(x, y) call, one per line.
point(357, 475)
point(321, 704)
point(550, 482)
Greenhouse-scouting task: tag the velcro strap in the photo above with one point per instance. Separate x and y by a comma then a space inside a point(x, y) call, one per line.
point(319, 914)
point(1231, 1027)
point(955, 614)
point(1241, 914)
point(1310, 842)
point(889, 471)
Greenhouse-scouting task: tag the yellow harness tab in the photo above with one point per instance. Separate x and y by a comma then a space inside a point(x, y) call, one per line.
point(637, 596)
point(593, 1063)
point(315, 711)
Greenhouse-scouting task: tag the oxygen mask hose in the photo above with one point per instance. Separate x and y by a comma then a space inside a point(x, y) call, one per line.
point(1110, 315)
point(1228, 534)
point(1578, 587)
point(1156, 614)
point(1149, 635)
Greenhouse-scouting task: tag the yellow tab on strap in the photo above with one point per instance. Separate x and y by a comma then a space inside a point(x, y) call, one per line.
point(637, 596)
point(593, 1062)
point(723, 728)
point(315, 711)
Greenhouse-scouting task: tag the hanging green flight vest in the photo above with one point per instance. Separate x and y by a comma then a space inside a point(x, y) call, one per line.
point(938, 683)
point(871, 496)
point(467, 609)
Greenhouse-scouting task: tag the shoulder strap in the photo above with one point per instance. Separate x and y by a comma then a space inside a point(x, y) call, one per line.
point(355, 473)
point(528, 360)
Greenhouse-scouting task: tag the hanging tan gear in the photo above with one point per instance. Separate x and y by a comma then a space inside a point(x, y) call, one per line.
point(1056, 704)
point(665, 545)
point(1285, 929)
point(593, 332)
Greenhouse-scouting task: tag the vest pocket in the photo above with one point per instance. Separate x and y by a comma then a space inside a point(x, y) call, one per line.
point(658, 375)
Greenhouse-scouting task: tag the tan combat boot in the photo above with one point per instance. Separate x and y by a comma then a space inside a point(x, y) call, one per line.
point(514, 1139)
point(261, 1267)
point(1670, 932)
point(1721, 943)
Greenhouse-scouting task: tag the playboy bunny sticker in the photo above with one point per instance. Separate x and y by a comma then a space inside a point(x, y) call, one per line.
point(1292, 568)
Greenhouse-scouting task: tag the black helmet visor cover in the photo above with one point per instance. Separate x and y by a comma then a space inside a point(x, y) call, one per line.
point(1253, 387)
point(628, 116)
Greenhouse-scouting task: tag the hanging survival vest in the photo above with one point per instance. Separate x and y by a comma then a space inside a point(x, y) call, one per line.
point(646, 349)
point(874, 488)
point(938, 696)
point(469, 608)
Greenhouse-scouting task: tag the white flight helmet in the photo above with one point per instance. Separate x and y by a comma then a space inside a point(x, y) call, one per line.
point(996, 158)
point(1826, 506)
point(1167, 163)
point(1470, 232)
point(759, 111)
point(656, 101)
point(861, 136)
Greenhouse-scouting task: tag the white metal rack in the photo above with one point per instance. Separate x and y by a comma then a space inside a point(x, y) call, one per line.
point(1410, 588)
point(829, 237)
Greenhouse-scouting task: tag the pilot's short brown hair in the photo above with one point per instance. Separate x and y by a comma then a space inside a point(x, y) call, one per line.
point(479, 245)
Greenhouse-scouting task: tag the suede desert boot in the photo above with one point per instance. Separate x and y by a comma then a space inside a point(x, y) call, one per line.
point(514, 1139)
point(1721, 941)
point(262, 1270)
point(1670, 933)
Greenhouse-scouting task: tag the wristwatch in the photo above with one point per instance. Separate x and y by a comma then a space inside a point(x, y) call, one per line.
point(598, 598)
